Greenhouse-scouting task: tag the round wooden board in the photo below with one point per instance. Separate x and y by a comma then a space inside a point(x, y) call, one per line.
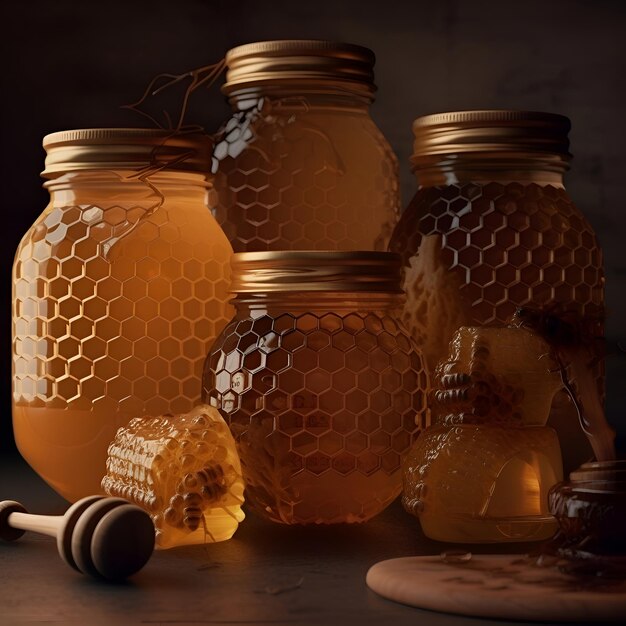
point(496, 586)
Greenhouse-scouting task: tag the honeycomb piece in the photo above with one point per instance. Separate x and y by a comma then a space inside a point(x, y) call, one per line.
point(184, 470)
point(479, 382)
point(292, 174)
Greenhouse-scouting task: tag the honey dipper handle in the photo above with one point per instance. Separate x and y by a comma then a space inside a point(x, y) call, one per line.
point(44, 524)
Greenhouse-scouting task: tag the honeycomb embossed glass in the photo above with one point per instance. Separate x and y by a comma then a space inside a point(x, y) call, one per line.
point(301, 162)
point(491, 228)
point(323, 389)
point(483, 471)
point(120, 287)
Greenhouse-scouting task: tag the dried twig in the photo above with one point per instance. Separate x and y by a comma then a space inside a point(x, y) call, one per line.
point(200, 76)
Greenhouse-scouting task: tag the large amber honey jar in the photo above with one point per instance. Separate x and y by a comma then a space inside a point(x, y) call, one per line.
point(492, 228)
point(119, 289)
point(322, 387)
point(301, 165)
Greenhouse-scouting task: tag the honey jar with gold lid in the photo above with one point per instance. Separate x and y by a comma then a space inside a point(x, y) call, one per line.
point(322, 387)
point(492, 228)
point(301, 165)
point(119, 288)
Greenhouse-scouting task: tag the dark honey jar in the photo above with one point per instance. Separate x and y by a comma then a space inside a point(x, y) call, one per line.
point(322, 387)
point(492, 228)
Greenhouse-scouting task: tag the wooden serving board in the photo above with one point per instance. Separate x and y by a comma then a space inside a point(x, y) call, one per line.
point(497, 586)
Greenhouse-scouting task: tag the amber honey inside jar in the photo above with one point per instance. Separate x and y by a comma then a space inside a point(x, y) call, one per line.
point(301, 160)
point(322, 387)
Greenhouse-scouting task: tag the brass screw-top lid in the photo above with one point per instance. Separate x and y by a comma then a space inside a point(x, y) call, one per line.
point(293, 271)
point(522, 132)
point(126, 148)
point(305, 63)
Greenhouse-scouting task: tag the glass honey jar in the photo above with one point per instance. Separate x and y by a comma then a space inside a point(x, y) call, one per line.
point(119, 289)
point(301, 160)
point(322, 387)
point(491, 229)
point(482, 472)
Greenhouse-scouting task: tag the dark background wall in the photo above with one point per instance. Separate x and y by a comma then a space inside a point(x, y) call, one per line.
point(72, 64)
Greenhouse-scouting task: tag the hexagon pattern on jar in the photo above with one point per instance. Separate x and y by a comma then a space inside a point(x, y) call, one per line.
point(104, 322)
point(473, 254)
point(298, 179)
point(323, 406)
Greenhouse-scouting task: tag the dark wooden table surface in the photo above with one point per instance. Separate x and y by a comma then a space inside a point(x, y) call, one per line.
point(266, 574)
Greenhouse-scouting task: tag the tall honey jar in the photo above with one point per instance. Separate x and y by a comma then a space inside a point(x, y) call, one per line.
point(301, 165)
point(492, 228)
point(322, 387)
point(119, 289)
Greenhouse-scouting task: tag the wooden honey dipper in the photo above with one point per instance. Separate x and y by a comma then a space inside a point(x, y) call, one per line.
point(104, 537)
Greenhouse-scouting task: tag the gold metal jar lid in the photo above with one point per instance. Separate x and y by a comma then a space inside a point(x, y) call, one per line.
point(302, 62)
point(293, 271)
point(607, 475)
point(125, 148)
point(491, 131)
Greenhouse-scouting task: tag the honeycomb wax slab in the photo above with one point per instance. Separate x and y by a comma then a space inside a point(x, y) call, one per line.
point(184, 470)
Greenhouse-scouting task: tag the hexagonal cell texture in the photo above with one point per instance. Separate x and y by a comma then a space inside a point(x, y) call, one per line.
point(115, 308)
point(323, 420)
point(300, 174)
point(474, 253)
